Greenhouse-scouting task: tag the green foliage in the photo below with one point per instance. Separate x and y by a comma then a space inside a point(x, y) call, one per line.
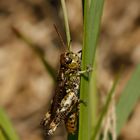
point(92, 19)
point(88, 128)
point(105, 109)
point(66, 23)
point(128, 99)
point(7, 132)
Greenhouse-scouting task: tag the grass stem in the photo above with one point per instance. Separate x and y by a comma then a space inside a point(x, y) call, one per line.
point(66, 24)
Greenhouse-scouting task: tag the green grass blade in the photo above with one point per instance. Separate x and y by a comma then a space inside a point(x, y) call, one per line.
point(7, 132)
point(66, 24)
point(83, 119)
point(93, 99)
point(128, 99)
point(2, 136)
point(105, 108)
point(72, 137)
point(92, 19)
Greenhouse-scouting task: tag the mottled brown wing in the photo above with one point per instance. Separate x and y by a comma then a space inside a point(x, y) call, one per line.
point(67, 104)
point(59, 92)
point(58, 96)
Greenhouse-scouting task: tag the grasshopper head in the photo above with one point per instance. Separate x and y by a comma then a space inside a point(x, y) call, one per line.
point(70, 60)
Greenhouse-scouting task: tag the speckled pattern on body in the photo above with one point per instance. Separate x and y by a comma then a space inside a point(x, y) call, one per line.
point(66, 94)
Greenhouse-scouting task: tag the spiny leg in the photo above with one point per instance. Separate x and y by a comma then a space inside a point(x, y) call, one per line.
point(44, 122)
point(71, 120)
point(82, 102)
point(87, 70)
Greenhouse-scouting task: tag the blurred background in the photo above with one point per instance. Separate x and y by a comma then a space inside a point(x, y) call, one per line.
point(26, 88)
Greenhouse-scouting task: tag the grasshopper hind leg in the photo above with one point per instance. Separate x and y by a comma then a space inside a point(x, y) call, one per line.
point(71, 121)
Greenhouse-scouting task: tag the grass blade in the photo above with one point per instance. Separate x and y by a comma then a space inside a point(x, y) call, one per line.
point(1, 135)
point(105, 108)
point(92, 19)
point(72, 137)
point(6, 129)
point(128, 99)
point(93, 99)
point(66, 23)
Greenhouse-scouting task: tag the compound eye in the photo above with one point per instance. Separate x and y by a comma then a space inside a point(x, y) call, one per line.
point(68, 60)
point(67, 54)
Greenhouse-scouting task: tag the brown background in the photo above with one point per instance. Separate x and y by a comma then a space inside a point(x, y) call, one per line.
point(26, 88)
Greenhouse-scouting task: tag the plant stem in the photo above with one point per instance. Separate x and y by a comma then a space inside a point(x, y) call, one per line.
point(6, 128)
point(92, 19)
point(66, 24)
point(108, 100)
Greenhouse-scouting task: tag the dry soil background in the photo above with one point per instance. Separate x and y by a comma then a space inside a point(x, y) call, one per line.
point(26, 88)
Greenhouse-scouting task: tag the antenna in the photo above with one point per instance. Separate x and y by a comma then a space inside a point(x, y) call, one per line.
point(59, 35)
